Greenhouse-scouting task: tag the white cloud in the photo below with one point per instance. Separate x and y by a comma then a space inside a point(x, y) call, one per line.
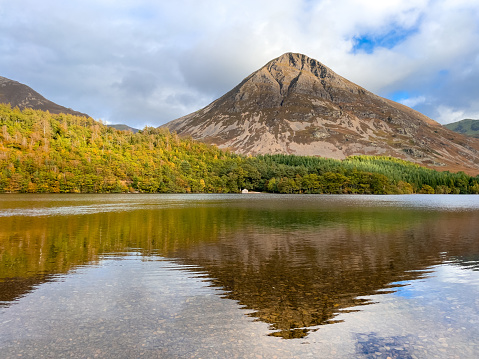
point(445, 114)
point(413, 101)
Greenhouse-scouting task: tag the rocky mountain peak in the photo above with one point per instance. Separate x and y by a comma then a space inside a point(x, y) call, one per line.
point(296, 105)
point(293, 62)
point(299, 64)
point(289, 75)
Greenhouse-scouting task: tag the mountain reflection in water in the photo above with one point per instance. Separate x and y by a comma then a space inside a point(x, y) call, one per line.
point(296, 262)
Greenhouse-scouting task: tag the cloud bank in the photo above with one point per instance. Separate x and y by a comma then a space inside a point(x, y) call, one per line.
point(144, 62)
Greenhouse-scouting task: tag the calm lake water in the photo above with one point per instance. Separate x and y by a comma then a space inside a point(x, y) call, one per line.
point(246, 276)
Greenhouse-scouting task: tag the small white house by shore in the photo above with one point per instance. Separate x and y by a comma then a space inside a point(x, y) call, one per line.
point(245, 191)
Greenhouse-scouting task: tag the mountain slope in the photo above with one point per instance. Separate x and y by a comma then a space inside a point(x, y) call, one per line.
point(467, 127)
point(22, 96)
point(296, 105)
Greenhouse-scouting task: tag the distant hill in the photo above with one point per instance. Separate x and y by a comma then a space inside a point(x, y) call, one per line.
point(467, 127)
point(296, 105)
point(22, 96)
point(120, 127)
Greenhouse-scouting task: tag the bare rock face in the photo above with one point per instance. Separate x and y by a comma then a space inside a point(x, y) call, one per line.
point(296, 105)
point(22, 96)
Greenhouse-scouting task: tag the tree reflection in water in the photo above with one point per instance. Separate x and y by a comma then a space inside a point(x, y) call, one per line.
point(296, 268)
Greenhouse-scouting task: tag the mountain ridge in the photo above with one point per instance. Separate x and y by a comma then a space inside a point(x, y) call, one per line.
point(22, 96)
point(468, 127)
point(122, 127)
point(297, 105)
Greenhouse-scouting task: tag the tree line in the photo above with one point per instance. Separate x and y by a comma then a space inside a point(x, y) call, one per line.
point(60, 153)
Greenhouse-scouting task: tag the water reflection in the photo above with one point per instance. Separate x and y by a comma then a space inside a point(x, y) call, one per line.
point(294, 262)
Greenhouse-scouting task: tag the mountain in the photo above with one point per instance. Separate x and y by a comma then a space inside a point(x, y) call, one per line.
point(296, 105)
point(121, 127)
point(22, 96)
point(467, 127)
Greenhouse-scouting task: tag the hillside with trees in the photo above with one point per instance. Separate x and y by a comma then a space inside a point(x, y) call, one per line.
point(467, 127)
point(42, 152)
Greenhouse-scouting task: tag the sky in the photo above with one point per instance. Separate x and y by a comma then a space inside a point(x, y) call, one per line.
point(144, 62)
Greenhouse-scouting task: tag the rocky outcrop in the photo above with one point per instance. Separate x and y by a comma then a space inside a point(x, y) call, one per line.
point(22, 96)
point(296, 105)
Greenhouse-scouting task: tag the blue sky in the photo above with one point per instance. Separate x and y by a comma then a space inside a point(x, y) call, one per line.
point(144, 62)
point(392, 36)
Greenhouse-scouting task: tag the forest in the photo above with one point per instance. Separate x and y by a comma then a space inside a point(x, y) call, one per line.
point(59, 153)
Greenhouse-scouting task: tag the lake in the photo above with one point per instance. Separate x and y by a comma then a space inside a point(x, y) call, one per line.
point(239, 276)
